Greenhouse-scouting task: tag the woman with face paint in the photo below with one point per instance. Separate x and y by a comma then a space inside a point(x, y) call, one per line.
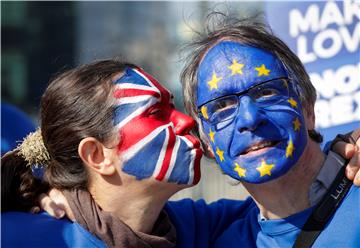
point(111, 141)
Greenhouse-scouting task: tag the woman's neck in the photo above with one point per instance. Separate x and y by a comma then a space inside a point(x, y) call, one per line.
point(289, 194)
point(138, 207)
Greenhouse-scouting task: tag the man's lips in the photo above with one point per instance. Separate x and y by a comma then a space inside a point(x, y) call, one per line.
point(259, 146)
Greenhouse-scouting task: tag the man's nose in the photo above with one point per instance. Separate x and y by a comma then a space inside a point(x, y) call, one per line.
point(182, 122)
point(249, 116)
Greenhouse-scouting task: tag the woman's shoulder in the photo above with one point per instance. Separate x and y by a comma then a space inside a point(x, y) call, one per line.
point(41, 230)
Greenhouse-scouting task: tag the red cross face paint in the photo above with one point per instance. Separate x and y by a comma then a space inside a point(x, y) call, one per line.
point(250, 112)
point(154, 138)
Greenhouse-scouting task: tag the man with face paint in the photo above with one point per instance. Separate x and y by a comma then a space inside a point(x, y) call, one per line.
point(246, 97)
point(254, 104)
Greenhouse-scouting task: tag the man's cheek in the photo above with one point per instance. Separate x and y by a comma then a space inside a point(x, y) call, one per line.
point(211, 134)
point(287, 115)
point(219, 140)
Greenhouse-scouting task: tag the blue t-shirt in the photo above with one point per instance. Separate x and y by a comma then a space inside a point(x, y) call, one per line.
point(197, 225)
point(224, 223)
point(343, 229)
point(20, 229)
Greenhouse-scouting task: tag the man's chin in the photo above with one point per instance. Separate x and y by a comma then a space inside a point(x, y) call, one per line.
point(261, 180)
point(254, 176)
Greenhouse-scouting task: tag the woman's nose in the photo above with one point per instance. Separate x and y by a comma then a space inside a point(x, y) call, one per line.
point(249, 116)
point(182, 122)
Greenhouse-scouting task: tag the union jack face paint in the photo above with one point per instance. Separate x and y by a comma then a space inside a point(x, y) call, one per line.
point(154, 138)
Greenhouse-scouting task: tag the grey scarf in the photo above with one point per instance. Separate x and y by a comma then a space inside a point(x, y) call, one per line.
point(112, 230)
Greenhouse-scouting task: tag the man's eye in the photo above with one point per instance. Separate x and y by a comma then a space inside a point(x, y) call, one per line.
point(269, 92)
point(266, 93)
point(224, 105)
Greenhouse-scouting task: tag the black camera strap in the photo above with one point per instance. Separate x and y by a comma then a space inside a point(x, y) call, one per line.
point(325, 209)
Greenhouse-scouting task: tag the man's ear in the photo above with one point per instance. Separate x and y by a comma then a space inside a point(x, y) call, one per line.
point(96, 156)
point(309, 116)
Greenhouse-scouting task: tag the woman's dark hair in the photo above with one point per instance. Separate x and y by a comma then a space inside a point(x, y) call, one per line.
point(19, 188)
point(77, 104)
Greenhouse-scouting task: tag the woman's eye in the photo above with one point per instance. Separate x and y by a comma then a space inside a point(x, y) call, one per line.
point(155, 112)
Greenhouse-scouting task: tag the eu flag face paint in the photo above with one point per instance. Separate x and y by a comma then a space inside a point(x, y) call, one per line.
point(153, 137)
point(250, 112)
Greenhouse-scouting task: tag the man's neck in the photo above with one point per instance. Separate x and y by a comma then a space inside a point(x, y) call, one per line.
point(289, 194)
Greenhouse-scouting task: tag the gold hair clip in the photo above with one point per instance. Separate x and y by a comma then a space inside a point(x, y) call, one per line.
point(33, 150)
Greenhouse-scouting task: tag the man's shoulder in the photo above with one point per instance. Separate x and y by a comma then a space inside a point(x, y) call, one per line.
point(188, 205)
point(346, 217)
point(199, 223)
point(24, 229)
point(199, 213)
point(351, 200)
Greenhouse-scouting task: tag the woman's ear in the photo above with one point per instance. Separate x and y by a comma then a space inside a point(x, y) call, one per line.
point(96, 156)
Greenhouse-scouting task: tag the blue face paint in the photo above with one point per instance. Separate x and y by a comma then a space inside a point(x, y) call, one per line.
point(262, 139)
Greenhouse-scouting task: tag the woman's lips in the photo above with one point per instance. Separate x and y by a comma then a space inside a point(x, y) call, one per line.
point(193, 140)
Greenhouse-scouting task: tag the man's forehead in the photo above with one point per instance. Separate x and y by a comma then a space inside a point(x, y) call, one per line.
point(231, 66)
